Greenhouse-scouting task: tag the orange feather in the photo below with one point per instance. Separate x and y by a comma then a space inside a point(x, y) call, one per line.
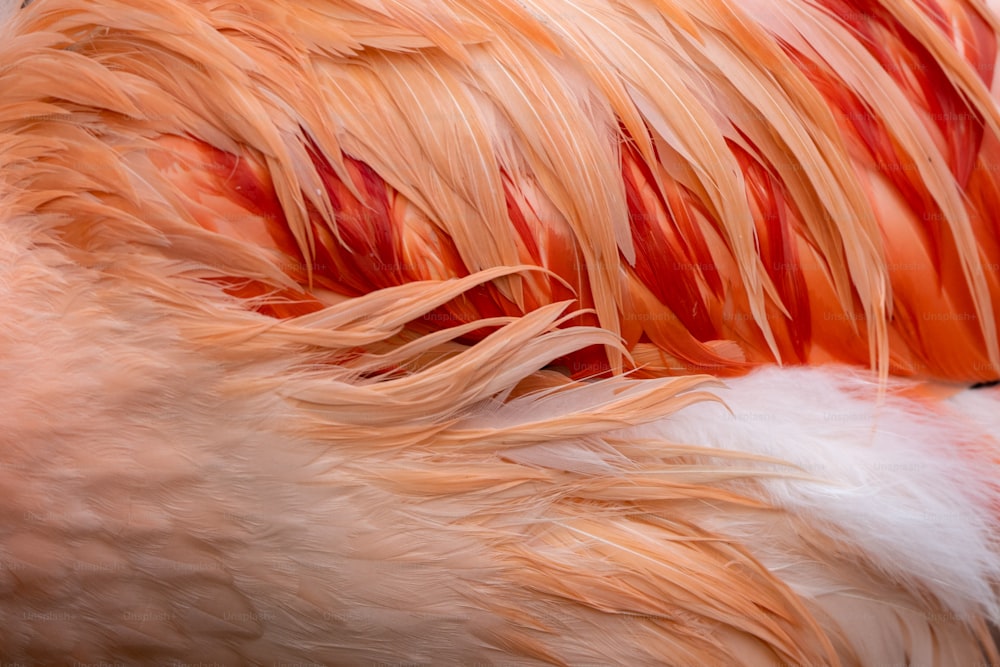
point(357, 331)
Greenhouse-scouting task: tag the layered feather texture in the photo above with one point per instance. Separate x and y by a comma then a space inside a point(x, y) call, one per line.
point(295, 292)
point(724, 185)
point(184, 479)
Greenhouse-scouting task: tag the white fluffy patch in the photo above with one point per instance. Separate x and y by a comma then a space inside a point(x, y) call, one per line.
point(907, 483)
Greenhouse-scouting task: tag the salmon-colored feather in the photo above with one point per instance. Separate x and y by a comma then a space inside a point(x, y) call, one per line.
point(356, 331)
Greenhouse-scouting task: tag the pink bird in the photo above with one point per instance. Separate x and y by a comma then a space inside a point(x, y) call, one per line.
point(495, 332)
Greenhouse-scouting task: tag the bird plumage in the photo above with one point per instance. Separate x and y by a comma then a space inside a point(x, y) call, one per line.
point(299, 297)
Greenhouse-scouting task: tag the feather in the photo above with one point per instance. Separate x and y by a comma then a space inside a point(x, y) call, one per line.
point(374, 331)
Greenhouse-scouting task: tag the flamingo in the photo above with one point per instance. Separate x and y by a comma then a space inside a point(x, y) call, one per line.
point(499, 332)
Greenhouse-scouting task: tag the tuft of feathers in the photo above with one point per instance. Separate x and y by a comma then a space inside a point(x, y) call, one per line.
point(724, 186)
